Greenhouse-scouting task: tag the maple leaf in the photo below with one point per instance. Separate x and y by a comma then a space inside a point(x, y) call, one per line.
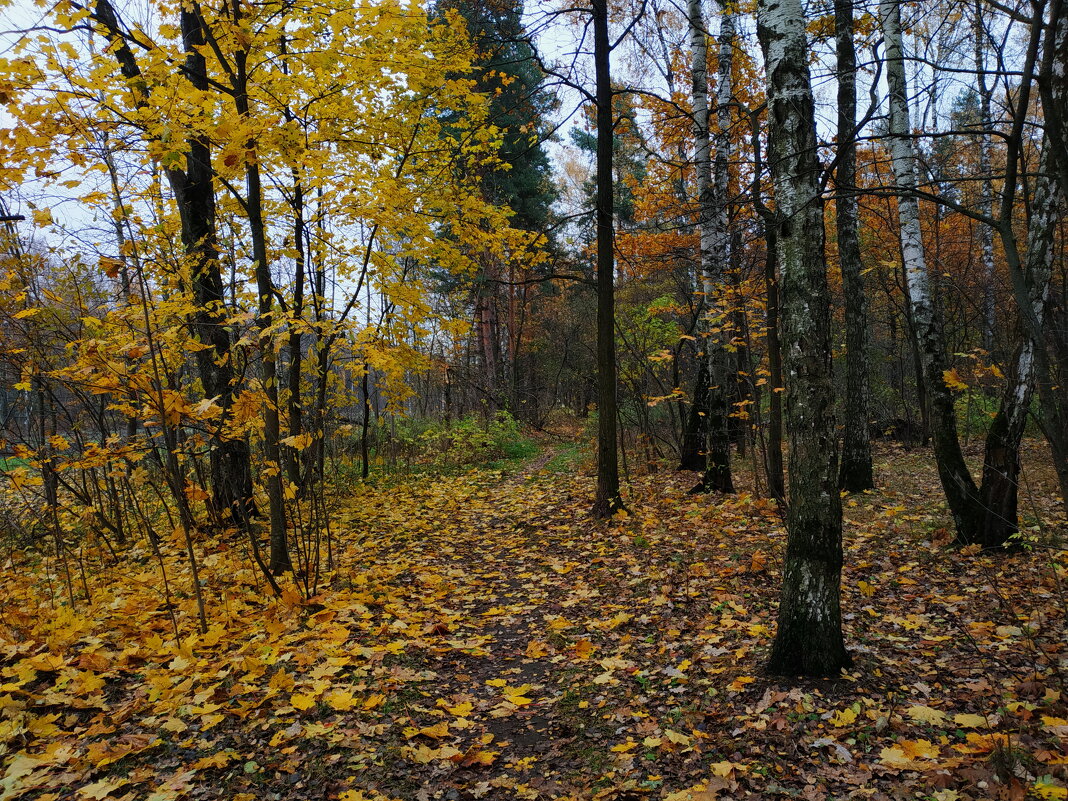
point(340, 700)
point(374, 701)
point(925, 714)
point(102, 788)
point(461, 710)
point(583, 649)
point(302, 701)
point(220, 759)
point(536, 649)
point(844, 717)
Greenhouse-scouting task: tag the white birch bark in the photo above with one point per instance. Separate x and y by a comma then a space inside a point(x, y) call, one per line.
point(714, 245)
point(986, 187)
point(809, 635)
point(957, 483)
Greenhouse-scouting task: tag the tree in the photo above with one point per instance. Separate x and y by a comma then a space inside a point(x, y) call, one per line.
point(194, 195)
point(507, 72)
point(607, 500)
point(961, 492)
point(714, 245)
point(856, 469)
point(808, 640)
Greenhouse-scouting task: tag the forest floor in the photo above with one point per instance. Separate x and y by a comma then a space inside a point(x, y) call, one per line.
point(482, 637)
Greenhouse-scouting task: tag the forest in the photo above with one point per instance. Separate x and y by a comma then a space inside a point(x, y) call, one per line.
point(623, 400)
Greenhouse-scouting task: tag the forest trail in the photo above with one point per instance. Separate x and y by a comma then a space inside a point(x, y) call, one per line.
point(484, 638)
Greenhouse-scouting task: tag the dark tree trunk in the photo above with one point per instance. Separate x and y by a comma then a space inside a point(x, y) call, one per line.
point(856, 470)
point(607, 500)
point(279, 561)
point(194, 194)
point(692, 452)
point(295, 458)
point(809, 636)
point(999, 490)
point(775, 466)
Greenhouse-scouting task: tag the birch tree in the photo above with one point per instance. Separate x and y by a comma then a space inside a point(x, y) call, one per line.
point(714, 237)
point(809, 636)
point(961, 492)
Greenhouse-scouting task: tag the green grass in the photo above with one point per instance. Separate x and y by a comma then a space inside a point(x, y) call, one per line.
point(565, 459)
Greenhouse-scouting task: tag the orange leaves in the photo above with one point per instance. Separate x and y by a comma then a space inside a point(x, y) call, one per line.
point(584, 649)
point(103, 753)
point(910, 755)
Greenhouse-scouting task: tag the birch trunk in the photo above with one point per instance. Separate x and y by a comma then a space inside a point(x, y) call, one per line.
point(856, 472)
point(1051, 357)
point(962, 495)
point(986, 187)
point(1001, 465)
point(809, 636)
point(714, 242)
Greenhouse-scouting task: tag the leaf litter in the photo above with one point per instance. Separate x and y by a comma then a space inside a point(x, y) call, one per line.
point(483, 638)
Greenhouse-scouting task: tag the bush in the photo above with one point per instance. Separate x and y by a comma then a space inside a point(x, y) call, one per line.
point(468, 441)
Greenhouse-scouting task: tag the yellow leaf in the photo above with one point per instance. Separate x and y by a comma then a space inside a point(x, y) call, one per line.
point(341, 700)
point(724, 769)
point(843, 717)
point(925, 714)
point(219, 759)
point(496, 682)
point(953, 379)
point(677, 737)
point(866, 589)
point(583, 649)
point(622, 748)
point(436, 732)
point(461, 710)
point(536, 649)
point(1044, 788)
point(301, 701)
point(968, 721)
point(919, 749)
point(102, 788)
point(373, 701)
point(420, 754)
point(740, 682)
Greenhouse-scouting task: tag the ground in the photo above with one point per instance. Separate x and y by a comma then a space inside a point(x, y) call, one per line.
point(480, 636)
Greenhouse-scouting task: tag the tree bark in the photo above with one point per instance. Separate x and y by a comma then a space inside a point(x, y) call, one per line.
point(692, 456)
point(279, 561)
point(607, 500)
point(714, 240)
point(961, 493)
point(1001, 464)
point(809, 636)
point(856, 473)
point(986, 186)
